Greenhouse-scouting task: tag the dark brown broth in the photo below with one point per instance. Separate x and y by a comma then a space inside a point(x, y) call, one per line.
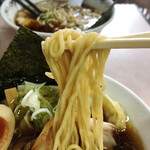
point(128, 139)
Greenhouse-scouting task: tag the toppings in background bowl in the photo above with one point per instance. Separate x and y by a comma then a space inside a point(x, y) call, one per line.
point(55, 16)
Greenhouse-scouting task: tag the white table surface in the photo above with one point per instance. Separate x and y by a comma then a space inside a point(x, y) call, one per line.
point(129, 66)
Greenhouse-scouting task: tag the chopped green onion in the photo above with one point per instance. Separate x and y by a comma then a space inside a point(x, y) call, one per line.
point(45, 110)
point(27, 119)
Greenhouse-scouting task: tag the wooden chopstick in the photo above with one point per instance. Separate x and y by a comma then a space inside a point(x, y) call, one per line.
point(122, 43)
point(140, 40)
point(138, 35)
point(34, 6)
point(35, 10)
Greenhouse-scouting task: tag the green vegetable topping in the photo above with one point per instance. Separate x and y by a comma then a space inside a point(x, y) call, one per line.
point(36, 105)
point(46, 16)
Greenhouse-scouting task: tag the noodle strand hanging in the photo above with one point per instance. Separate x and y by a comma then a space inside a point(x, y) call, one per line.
point(78, 70)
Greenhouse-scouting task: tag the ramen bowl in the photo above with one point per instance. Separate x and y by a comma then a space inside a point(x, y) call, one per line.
point(138, 112)
point(10, 8)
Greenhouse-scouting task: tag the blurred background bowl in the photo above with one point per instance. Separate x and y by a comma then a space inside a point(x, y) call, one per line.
point(9, 10)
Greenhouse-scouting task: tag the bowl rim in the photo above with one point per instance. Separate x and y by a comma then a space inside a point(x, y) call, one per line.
point(109, 79)
point(137, 110)
point(46, 34)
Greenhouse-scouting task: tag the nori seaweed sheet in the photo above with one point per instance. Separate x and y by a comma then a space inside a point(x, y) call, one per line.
point(23, 61)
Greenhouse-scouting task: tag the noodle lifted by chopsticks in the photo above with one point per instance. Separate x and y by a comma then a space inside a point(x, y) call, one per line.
point(78, 71)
